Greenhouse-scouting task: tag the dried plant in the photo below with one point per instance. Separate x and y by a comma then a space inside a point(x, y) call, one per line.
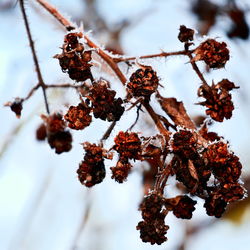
point(200, 160)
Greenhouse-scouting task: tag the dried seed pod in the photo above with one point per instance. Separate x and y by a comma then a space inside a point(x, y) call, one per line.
point(128, 145)
point(151, 206)
point(74, 60)
point(16, 106)
point(105, 105)
point(41, 132)
point(91, 170)
point(121, 170)
point(184, 144)
point(153, 231)
point(182, 206)
point(185, 34)
point(54, 123)
point(78, 117)
point(60, 141)
point(224, 165)
point(213, 53)
point(91, 174)
point(218, 99)
point(215, 205)
point(58, 138)
point(143, 82)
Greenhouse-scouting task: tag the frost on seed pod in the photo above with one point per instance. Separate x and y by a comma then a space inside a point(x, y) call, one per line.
point(128, 145)
point(74, 59)
point(16, 106)
point(218, 99)
point(143, 82)
point(185, 34)
point(105, 105)
point(121, 171)
point(213, 53)
point(91, 170)
point(78, 117)
point(58, 138)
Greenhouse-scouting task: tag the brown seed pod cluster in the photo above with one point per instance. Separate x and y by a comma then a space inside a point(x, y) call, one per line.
point(213, 53)
point(194, 166)
point(200, 160)
point(218, 99)
point(74, 59)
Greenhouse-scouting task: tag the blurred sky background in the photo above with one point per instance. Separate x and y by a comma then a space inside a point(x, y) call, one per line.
point(42, 204)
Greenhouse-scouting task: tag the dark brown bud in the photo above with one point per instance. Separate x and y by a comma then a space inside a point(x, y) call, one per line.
point(185, 34)
point(16, 106)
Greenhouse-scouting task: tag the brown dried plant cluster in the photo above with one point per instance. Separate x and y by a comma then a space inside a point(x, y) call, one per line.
point(201, 161)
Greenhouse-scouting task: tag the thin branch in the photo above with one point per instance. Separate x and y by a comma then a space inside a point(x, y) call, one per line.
point(196, 69)
point(137, 117)
point(32, 46)
point(156, 120)
point(162, 54)
point(108, 132)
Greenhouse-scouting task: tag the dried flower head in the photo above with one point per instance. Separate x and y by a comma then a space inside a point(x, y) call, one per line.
point(121, 171)
point(58, 138)
point(218, 99)
point(213, 53)
point(91, 170)
point(143, 82)
point(105, 105)
point(182, 206)
point(78, 117)
point(128, 145)
point(74, 59)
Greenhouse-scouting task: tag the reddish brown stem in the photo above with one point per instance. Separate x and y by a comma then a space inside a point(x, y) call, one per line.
point(162, 54)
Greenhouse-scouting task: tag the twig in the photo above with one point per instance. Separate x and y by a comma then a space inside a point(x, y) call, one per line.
point(196, 69)
point(163, 54)
point(32, 46)
point(108, 132)
point(137, 117)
